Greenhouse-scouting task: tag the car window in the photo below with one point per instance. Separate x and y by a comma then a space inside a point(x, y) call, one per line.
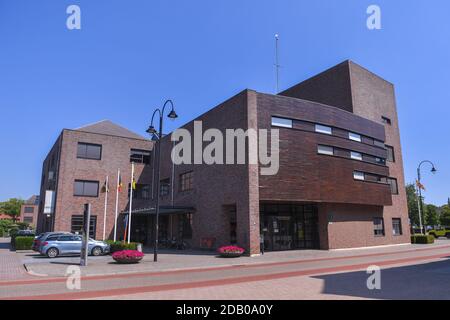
point(52, 238)
point(66, 238)
point(77, 238)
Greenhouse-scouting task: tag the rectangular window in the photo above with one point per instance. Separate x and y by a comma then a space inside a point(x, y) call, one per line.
point(325, 150)
point(164, 187)
point(394, 186)
point(187, 181)
point(142, 191)
point(85, 188)
point(390, 153)
point(397, 226)
point(28, 220)
point(28, 209)
point(281, 122)
point(378, 143)
point(323, 129)
point(358, 175)
point(89, 151)
point(381, 161)
point(386, 120)
point(356, 155)
point(140, 156)
point(378, 227)
point(354, 136)
point(77, 225)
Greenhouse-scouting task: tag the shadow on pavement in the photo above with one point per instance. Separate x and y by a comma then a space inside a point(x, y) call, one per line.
point(422, 281)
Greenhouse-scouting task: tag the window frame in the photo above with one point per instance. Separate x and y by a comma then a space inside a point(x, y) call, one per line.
point(184, 177)
point(389, 180)
point(142, 156)
point(164, 184)
point(355, 176)
point(354, 136)
point(376, 227)
point(80, 217)
point(84, 182)
point(354, 157)
point(87, 144)
point(386, 120)
point(281, 124)
point(320, 128)
point(390, 152)
point(321, 151)
point(394, 223)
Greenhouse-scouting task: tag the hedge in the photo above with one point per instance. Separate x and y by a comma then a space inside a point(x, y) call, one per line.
point(23, 243)
point(115, 246)
point(422, 239)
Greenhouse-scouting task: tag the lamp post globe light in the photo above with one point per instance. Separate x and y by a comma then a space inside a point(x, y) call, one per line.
point(419, 190)
point(159, 135)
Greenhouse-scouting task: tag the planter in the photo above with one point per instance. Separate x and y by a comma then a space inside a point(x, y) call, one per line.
point(231, 251)
point(127, 256)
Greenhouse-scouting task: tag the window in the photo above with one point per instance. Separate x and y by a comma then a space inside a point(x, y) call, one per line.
point(380, 161)
point(187, 181)
point(66, 238)
point(386, 120)
point(356, 155)
point(164, 187)
point(142, 191)
point(140, 156)
point(28, 209)
point(354, 136)
point(397, 226)
point(394, 186)
point(378, 143)
point(378, 227)
point(28, 220)
point(186, 226)
point(89, 151)
point(358, 175)
point(77, 225)
point(323, 129)
point(390, 153)
point(85, 188)
point(281, 122)
point(325, 150)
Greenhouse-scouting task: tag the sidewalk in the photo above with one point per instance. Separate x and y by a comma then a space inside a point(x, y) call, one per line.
point(181, 260)
point(11, 267)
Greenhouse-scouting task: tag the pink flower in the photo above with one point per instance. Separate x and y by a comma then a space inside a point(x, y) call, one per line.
point(231, 249)
point(127, 255)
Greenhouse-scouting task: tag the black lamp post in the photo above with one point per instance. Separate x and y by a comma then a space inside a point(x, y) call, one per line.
point(159, 135)
point(419, 187)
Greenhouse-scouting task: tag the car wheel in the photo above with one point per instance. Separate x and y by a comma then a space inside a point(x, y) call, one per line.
point(96, 251)
point(52, 253)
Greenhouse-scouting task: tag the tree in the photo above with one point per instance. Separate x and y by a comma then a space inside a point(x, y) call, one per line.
point(12, 208)
point(445, 215)
point(431, 215)
point(413, 210)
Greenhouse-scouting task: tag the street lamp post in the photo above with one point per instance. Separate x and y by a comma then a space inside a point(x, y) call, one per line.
point(159, 135)
point(419, 188)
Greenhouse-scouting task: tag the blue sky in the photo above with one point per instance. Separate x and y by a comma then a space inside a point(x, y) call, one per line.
point(130, 56)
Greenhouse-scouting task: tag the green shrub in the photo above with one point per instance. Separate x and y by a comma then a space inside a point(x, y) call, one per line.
point(23, 243)
point(422, 239)
point(120, 245)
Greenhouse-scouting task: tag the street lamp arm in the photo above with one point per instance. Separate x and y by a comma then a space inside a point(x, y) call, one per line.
point(426, 161)
point(165, 104)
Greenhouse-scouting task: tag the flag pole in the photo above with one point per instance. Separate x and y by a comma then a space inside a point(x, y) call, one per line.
point(131, 201)
point(106, 207)
point(117, 205)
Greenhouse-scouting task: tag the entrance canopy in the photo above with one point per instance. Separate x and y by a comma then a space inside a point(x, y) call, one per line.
point(162, 210)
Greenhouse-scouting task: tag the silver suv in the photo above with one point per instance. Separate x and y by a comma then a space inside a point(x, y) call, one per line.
point(70, 244)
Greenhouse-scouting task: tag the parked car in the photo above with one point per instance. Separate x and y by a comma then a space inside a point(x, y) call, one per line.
point(25, 233)
point(42, 237)
point(70, 244)
point(440, 232)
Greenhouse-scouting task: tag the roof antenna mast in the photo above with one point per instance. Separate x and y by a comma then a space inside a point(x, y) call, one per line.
point(277, 65)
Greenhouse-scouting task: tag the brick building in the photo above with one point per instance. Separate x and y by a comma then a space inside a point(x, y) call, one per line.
point(29, 211)
point(340, 182)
